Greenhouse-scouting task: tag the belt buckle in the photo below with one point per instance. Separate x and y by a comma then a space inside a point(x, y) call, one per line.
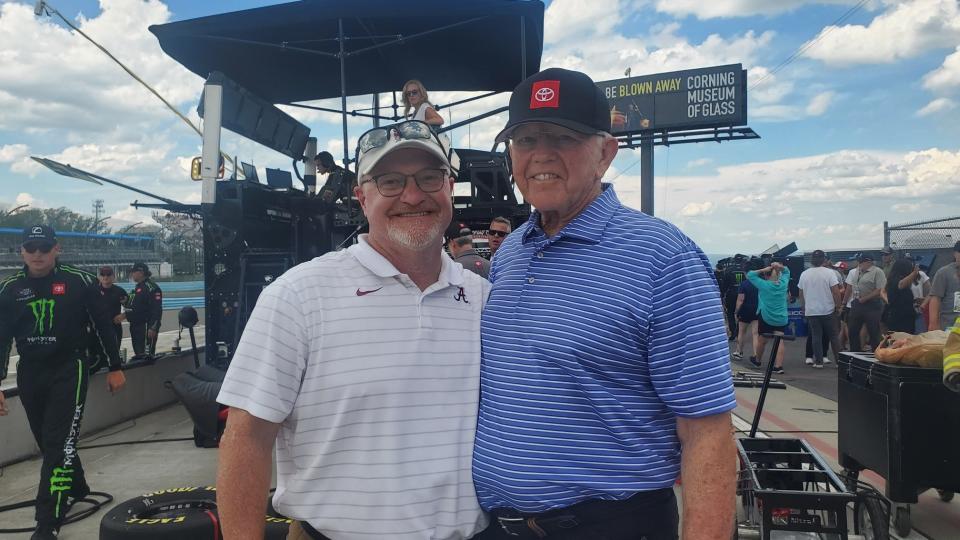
point(506, 522)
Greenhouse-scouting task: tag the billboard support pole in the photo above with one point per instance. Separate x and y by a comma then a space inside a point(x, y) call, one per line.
point(646, 174)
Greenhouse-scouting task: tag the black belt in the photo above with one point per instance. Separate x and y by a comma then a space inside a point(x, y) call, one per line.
point(561, 520)
point(311, 532)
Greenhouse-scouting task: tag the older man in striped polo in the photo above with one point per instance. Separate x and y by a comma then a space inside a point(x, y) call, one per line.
point(605, 368)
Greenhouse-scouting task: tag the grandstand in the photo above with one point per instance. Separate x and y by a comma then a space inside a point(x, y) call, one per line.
point(87, 250)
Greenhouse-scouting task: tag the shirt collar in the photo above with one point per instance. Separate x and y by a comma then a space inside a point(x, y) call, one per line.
point(589, 224)
point(376, 263)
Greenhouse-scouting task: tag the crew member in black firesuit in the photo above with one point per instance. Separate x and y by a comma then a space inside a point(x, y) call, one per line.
point(144, 310)
point(46, 307)
point(729, 277)
point(111, 298)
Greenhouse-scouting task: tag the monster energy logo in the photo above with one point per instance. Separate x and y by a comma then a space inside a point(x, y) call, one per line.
point(43, 314)
point(61, 479)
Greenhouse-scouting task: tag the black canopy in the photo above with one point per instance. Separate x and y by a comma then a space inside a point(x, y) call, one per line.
point(289, 52)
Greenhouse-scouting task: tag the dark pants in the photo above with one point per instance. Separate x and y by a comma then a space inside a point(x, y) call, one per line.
point(730, 309)
point(861, 315)
point(823, 332)
point(138, 335)
point(648, 515)
point(95, 353)
point(53, 392)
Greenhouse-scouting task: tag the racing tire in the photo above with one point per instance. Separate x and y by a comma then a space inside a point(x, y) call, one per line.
point(901, 521)
point(278, 525)
point(873, 522)
point(187, 513)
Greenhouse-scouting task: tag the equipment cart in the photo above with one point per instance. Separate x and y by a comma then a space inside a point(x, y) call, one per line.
point(787, 490)
point(902, 423)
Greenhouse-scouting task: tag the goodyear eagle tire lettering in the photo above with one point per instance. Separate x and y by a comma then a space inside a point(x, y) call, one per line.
point(184, 513)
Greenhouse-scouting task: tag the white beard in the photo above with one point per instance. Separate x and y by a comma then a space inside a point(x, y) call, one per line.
point(414, 238)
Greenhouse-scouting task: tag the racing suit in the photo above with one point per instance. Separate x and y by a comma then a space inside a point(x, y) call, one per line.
point(110, 300)
point(144, 310)
point(48, 317)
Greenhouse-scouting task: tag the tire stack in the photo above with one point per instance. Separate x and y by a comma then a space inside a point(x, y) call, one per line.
point(184, 513)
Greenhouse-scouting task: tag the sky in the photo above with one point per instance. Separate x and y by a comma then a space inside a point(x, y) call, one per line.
point(859, 128)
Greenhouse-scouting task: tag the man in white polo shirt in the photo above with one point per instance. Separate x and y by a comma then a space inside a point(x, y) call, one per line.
point(363, 366)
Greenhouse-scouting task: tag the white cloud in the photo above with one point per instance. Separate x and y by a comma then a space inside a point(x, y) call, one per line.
point(28, 199)
point(13, 152)
point(61, 81)
point(905, 208)
point(572, 18)
point(697, 209)
point(947, 76)
point(735, 8)
point(905, 30)
point(702, 162)
point(937, 106)
point(820, 103)
point(129, 216)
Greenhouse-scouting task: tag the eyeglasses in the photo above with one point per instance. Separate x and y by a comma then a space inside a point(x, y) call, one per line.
point(412, 92)
point(32, 248)
point(562, 141)
point(377, 137)
point(393, 184)
point(498, 234)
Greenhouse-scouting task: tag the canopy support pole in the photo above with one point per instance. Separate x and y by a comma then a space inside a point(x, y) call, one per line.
point(646, 174)
point(523, 48)
point(343, 93)
point(210, 157)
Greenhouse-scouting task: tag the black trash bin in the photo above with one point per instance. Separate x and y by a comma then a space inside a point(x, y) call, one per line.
point(900, 422)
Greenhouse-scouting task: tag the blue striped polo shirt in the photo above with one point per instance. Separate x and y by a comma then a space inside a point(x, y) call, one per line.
point(593, 343)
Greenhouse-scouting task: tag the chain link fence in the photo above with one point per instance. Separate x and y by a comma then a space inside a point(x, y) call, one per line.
point(933, 234)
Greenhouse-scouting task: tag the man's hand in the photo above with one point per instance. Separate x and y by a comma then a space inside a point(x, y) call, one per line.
point(3, 405)
point(151, 334)
point(115, 381)
point(119, 318)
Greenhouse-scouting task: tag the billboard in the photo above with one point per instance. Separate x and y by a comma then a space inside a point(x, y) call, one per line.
point(690, 99)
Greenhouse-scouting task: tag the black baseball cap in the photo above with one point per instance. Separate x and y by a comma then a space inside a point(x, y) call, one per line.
point(140, 267)
point(39, 234)
point(559, 96)
point(887, 250)
point(865, 257)
point(456, 230)
point(956, 247)
point(105, 271)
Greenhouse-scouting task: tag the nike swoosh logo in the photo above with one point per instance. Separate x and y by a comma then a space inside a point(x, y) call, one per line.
point(362, 293)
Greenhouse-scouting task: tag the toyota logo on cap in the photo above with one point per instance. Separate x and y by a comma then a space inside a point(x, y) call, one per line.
point(545, 94)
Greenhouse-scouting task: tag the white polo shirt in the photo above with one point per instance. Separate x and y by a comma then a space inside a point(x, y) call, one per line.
point(376, 387)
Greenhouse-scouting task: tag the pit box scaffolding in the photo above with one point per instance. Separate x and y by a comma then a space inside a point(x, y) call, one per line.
point(784, 486)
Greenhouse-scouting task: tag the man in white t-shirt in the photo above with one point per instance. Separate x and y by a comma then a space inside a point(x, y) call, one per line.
point(820, 294)
point(363, 366)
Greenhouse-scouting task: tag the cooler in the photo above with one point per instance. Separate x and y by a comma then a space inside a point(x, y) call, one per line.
point(900, 422)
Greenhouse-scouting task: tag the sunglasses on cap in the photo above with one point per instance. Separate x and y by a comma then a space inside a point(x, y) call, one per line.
point(33, 248)
point(409, 130)
point(498, 234)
